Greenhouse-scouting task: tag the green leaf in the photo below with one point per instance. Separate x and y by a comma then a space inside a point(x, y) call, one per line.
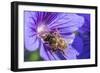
point(34, 56)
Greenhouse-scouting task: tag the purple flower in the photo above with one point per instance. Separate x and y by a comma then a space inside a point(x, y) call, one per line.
point(42, 27)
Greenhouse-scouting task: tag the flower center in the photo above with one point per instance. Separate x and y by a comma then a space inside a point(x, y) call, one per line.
point(42, 30)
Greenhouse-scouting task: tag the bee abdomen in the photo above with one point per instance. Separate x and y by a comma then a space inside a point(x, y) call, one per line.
point(62, 44)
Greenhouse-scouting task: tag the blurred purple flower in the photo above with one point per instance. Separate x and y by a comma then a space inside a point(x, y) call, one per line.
point(39, 23)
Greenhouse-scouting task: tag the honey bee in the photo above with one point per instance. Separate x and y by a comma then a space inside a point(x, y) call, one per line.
point(55, 41)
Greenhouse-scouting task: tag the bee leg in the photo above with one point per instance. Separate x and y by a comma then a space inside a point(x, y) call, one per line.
point(53, 50)
point(63, 52)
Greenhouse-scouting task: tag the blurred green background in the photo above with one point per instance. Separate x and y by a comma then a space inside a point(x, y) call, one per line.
point(32, 56)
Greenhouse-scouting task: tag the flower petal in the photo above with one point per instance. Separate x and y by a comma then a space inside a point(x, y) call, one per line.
point(67, 22)
point(78, 43)
point(71, 53)
point(46, 17)
point(30, 19)
point(46, 54)
point(31, 43)
point(31, 40)
point(69, 38)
